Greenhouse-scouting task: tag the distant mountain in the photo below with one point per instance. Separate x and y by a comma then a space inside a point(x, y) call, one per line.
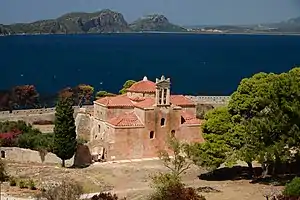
point(155, 23)
point(104, 21)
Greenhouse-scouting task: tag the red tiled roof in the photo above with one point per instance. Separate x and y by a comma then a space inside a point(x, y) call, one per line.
point(144, 86)
point(181, 100)
point(148, 102)
point(125, 119)
point(190, 118)
point(116, 101)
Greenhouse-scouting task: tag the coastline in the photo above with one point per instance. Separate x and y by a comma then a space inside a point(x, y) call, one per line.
point(158, 32)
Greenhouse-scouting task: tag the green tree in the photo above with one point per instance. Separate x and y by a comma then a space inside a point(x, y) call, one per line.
point(217, 132)
point(179, 161)
point(64, 131)
point(101, 94)
point(261, 122)
point(126, 85)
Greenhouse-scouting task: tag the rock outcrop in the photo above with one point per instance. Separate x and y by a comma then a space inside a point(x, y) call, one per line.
point(155, 23)
point(105, 21)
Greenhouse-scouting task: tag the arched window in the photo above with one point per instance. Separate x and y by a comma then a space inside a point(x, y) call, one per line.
point(162, 121)
point(152, 135)
point(173, 133)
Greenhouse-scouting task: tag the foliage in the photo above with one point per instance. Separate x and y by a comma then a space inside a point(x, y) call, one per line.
point(31, 184)
point(64, 131)
point(36, 141)
point(81, 140)
point(83, 94)
point(22, 184)
point(103, 94)
point(25, 96)
point(3, 174)
point(126, 85)
point(217, 131)
point(169, 187)
point(261, 122)
point(180, 162)
point(67, 190)
point(292, 189)
point(106, 196)
point(12, 181)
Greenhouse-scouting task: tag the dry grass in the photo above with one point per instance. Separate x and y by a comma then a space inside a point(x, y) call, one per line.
point(130, 179)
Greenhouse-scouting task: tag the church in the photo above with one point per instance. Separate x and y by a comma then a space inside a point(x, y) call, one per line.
point(136, 125)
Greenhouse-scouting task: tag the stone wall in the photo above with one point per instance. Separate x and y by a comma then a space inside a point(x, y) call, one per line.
point(26, 156)
point(210, 99)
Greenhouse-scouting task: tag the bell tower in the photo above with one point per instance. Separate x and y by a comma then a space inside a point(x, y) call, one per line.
point(162, 94)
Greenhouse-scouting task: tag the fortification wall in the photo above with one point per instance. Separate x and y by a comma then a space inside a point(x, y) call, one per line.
point(28, 156)
point(213, 100)
point(31, 115)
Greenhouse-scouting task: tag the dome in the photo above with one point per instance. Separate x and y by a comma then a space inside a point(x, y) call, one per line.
point(144, 86)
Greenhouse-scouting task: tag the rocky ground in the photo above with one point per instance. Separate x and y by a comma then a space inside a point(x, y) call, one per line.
point(131, 180)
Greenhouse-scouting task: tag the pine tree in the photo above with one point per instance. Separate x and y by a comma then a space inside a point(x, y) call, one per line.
point(65, 130)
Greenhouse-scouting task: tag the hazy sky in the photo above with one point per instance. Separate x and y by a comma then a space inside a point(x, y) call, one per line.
point(183, 12)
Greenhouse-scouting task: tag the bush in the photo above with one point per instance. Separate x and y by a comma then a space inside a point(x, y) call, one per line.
point(22, 184)
point(292, 189)
point(64, 191)
point(36, 141)
point(12, 181)
point(170, 187)
point(3, 174)
point(31, 184)
point(106, 196)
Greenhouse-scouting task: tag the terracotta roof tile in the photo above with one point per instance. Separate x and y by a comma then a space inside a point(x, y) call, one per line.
point(190, 118)
point(117, 101)
point(181, 100)
point(144, 86)
point(147, 103)
point(125, 119)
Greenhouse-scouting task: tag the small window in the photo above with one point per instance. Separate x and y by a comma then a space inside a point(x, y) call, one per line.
point(151, 134)
point(2, 154)
point(96, 136)
point(99, 128)
point(173, 133)
point(182, 120)
point(162, 121)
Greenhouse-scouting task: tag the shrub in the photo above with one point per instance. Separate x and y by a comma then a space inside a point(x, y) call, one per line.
point(36, 141)
point(31, 184)
point(292, 189)
point(81, 141)
point(22, 184)
point(106, 196)
point(170, 187)
point(67, 190)
point(12, 181)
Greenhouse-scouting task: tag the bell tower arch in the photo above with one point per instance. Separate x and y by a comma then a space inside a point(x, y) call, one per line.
point(162, 93)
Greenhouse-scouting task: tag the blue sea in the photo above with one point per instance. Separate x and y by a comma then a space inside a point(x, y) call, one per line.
point(197, 64)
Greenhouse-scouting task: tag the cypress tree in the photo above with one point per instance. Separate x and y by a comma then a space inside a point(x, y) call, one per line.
point(65, 130)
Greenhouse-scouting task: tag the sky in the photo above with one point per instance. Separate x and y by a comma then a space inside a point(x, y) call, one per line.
point(182, 12)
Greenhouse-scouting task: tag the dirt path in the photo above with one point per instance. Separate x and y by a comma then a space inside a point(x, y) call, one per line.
point(132, 180)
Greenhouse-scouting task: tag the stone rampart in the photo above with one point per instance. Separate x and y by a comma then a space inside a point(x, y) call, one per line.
point(31, 115)
point(28, 156)
point(213, 100)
